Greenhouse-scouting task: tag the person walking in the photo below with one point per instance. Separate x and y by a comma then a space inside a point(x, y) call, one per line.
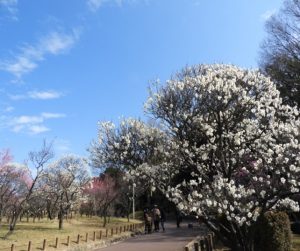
point(156, 218)
point(178, 218)
point(148, 221)
point(162, 219)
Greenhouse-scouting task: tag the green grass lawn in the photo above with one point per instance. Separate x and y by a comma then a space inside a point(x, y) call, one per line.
point(48, 229)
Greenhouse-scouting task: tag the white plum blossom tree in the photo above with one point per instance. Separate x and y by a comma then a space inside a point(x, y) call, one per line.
point(227, 149)
point(64, 180)
point(130, 147)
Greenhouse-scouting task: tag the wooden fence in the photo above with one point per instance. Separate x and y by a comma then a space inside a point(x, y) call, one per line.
point(202, 243)
point(67, 241)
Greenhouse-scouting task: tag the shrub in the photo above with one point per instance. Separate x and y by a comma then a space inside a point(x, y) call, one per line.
point(296, 227)
point(273, 232)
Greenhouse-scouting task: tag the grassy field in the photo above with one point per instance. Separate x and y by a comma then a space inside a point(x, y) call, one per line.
point(296, 242)
point(46, 229)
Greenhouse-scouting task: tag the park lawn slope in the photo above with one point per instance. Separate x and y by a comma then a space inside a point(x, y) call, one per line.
point(48, 229)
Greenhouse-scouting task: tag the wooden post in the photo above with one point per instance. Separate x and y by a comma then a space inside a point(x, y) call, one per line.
point(196, 246)
point(12, 247)
point(44, 244)
point(29, 246)
point(211, 241)
point(86, 237)
point(78, 238)
point(186, 248)
point(94, 236)
point(68, 241)
point(100, 235)
point(56, 242)
point(206, 243)
point(202, 246)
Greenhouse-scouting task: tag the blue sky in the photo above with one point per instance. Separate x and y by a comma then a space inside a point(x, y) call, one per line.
point(65, 65)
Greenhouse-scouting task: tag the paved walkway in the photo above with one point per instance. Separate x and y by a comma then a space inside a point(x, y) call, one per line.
point(173, 239)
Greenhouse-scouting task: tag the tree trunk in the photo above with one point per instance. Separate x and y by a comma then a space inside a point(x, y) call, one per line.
point(104, 221)
point(13, 223)
point(60, 219)
point(233, 236)
point(1, 213)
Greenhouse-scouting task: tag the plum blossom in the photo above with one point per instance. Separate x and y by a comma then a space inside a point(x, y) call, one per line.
point(224, 148)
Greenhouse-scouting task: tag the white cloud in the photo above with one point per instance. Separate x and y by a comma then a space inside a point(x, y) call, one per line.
point(56, 43)
point(268, 14)
point(94, 5)
point(31, 55)
point(61, 147)
point(36, 129)
point(19, 66)
point(8, 109)
point(32, 124)
point(11, 7)
point(17, 97)
point(27, 120)
point(47, 115)
point(43, 95)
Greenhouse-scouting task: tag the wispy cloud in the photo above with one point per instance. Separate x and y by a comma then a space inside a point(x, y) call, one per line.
point(47, 115)
point(43, 95)
point(8, 109)
point(30, 56)
point(36, 129)
point(94, 5)
point(32, 124)
point(11, 7)
point(61, 147)
point(268, 14)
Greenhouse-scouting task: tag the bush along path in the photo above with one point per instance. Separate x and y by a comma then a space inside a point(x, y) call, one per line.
point(173, 239)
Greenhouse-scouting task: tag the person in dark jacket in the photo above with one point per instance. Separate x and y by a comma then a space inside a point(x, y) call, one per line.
point(162, 219)
point(178, 218)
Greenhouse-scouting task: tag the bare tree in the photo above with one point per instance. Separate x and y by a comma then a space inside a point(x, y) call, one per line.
point(38, 160)
point(280, 51)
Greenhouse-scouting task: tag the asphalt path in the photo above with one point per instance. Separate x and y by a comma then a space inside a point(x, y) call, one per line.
point(173, 239)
